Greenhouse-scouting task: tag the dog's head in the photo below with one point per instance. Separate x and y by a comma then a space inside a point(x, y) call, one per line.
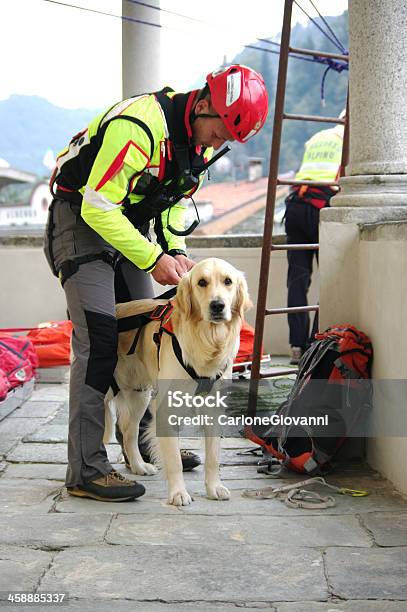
point(213, 291)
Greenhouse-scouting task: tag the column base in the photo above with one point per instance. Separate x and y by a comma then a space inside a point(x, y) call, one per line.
point(372, 190)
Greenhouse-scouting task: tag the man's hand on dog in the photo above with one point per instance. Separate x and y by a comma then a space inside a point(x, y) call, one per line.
point(169, 270)
point(185, 263)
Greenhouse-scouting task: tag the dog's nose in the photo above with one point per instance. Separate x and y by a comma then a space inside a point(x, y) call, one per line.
point(217, 306)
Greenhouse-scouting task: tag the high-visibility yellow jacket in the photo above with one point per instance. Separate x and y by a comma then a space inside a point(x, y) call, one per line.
point(104, 163)
point(322, 156)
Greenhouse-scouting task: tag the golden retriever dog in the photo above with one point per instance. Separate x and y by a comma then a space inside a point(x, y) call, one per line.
point(206, 319)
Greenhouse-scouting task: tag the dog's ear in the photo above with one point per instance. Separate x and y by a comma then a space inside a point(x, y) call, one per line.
point(243, 301)
point(184, 296)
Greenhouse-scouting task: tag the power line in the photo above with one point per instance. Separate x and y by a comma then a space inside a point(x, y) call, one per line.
point(133, 19)
point(331, 65)
point(89, 10)
point(337, 45)
point(315, 59)
point(328, 26)
point(196, 20)
point(162, 10)
point(147, 23)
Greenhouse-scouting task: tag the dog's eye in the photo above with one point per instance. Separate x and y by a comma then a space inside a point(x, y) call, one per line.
point(202, 282)
point(228, 281)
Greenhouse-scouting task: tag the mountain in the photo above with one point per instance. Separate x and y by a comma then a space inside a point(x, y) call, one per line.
point(29, 126)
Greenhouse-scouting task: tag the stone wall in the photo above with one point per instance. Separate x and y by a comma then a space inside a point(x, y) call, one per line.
point(30, 294)
point(364, 283)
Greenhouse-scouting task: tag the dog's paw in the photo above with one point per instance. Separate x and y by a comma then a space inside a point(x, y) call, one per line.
point(217, 491)
point(180, 497)
point(143, 469)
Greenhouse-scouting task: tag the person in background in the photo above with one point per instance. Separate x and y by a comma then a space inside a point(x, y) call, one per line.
point(130, 167)
point(321, 162)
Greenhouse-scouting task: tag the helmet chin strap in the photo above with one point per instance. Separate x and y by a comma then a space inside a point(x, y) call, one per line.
point(204, 116)
point(194, 117)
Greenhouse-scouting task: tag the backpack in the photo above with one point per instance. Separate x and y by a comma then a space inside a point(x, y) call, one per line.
point(333, 383)
point(4, 385)
point(17, 360)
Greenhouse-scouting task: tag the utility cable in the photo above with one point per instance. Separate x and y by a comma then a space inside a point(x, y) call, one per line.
point(162, 10)
point(268, 42)
point(331, 64)
point(329, 27)
point(89, 10)
point(338, 46)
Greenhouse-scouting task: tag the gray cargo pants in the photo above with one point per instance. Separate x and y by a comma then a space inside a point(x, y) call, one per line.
point(90, 295)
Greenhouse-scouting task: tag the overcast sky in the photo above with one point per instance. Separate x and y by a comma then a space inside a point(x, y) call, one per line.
point(73, 57)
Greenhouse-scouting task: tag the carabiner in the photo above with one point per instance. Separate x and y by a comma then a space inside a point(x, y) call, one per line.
point(354, 492)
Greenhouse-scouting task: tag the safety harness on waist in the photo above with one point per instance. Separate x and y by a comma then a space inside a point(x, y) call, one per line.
point(163, 314)
point(69, 267)
point(318, 197)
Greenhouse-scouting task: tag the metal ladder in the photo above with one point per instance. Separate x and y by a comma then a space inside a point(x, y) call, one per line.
point(273, 182)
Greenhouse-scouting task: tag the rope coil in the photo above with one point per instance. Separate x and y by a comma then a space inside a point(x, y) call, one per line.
point(294, 496)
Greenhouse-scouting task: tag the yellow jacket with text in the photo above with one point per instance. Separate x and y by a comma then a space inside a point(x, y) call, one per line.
point(322, 156)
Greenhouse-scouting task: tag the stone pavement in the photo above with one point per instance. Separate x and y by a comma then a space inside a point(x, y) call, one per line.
point(146, 555)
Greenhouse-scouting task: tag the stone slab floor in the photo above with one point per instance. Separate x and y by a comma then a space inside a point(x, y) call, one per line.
point(146, 555)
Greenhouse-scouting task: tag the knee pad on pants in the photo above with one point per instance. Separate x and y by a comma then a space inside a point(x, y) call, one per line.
point(103, 339)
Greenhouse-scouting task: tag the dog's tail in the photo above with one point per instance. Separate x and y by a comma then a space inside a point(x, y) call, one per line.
point(110, 418)
point(149, 439)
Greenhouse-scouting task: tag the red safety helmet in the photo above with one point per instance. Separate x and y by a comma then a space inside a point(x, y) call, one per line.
point(239, 96)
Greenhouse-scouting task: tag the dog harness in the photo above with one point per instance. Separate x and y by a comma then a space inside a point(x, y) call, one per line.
point(163, 314)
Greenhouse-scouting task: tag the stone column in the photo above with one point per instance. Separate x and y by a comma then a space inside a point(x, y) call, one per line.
point(363, 236)
point(374, 189)
point(376, 174)
point(140, 48)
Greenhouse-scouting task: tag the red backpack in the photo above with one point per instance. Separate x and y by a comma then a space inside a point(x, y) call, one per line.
point(18, 360)
point(333, 383)
point(4, 386)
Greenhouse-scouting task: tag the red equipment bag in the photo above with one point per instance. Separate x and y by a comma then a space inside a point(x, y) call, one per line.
point(52, 343)
point(245, 352)
point(17, 360)
point(4, 386)
point(333, 382)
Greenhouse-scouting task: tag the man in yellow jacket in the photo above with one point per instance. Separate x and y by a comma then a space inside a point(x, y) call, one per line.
point(321, 162)
point(129, 168)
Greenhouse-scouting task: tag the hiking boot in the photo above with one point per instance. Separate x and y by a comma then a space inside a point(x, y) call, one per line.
point(296, 354)
point(189, 460)
point(112, 487)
